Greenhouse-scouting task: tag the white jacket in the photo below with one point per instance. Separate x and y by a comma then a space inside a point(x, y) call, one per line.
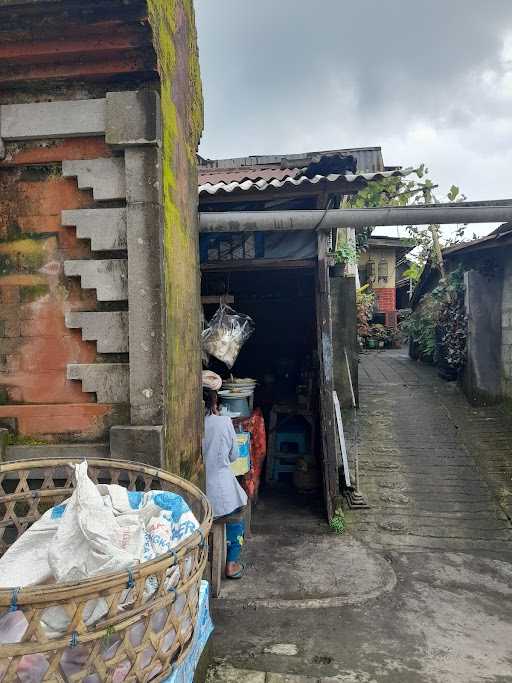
point(220, 449)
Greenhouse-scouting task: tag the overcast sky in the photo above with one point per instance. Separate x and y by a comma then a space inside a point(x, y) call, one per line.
point(427, 81)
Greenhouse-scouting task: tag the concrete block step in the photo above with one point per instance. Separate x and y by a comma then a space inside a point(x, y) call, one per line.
point(105, 177)
point(105, 228)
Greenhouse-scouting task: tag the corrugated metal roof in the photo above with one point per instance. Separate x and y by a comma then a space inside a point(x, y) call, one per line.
point(264, 184)
point(369, 160)
point(259, 173)
point(491, 240)
point(230, 175)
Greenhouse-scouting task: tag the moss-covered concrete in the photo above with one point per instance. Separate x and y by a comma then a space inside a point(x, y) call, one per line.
point(174, 38)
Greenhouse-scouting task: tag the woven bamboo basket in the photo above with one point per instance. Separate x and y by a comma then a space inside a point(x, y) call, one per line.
point(137, 639)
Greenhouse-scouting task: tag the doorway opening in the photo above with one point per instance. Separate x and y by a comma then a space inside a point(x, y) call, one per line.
point(282, 357)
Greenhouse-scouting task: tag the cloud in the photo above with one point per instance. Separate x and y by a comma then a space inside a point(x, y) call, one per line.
point(429, 82)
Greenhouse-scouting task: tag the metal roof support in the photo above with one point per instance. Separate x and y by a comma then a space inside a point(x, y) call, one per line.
point(499, 211)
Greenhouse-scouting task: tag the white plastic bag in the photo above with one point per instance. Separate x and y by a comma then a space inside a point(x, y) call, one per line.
point(226, 333)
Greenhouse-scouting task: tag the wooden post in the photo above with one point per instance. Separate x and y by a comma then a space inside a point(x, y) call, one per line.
point(325, 354)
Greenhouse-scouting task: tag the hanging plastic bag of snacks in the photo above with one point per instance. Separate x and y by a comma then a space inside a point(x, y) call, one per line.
point(226, 333)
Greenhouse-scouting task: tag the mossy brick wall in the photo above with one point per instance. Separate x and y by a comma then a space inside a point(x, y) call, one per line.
point(35, 344)
point(174, 38)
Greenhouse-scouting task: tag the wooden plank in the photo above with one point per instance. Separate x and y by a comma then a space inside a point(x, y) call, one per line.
point(354, 404)
point(325, 353)
point(341, 436)
point(257, 264)
point(218, 556)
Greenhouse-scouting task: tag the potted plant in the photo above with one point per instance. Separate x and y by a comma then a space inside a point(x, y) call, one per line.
point(343, 254)
point(396, 339)
point(379, 335)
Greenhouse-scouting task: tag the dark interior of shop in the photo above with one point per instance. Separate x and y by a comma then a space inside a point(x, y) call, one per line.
point(281, 355)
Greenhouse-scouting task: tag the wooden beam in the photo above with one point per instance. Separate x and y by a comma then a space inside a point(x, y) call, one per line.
point(257, 264)
point(325, 356)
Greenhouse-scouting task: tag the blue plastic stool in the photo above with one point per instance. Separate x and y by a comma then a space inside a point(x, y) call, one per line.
point(296, 438)
point(283, 465)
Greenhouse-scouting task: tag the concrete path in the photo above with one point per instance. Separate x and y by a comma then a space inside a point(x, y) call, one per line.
point(437, 472)
point(438, 475)
point(294, 560)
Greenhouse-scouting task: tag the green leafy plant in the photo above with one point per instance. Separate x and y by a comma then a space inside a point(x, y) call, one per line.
point(338, 523)
point(379, 333)
point(344, 253)
point(365, 304)
point(420, 328)
point(412, 187)
point(452, 321)
point(413, 272)
point(439, 326)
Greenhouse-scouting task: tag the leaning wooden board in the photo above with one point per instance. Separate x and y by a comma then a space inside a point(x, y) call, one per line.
point(341, 435)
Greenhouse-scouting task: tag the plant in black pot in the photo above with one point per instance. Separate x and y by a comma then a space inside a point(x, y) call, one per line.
point(344, 253)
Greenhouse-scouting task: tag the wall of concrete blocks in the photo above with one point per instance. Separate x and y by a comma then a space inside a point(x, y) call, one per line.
point(482, 378)
point(506, 330)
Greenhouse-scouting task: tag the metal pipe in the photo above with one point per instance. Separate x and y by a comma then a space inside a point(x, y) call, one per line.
point(465, 212)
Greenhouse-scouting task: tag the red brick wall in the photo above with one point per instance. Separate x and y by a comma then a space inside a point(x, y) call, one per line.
point(35, 344)
point(386, 299)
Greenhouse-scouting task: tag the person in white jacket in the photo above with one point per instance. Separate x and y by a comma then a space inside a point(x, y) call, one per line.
point(228, 499)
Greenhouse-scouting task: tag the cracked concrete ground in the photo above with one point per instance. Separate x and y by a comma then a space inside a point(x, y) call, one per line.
point(437, 472)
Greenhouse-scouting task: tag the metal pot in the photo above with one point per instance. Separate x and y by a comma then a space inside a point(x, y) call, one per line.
point(237, 405)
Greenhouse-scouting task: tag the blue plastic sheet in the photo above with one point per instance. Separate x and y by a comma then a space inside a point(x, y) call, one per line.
point(184, 673)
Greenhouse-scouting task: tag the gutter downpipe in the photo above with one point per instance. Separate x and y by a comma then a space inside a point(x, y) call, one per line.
point(464, 212)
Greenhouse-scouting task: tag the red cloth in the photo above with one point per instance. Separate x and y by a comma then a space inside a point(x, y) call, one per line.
point(256, 426)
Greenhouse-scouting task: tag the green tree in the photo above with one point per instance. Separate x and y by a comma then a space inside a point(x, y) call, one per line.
point(412, 187)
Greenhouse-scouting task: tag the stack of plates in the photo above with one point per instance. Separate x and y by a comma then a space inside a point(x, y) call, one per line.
point(238, 388)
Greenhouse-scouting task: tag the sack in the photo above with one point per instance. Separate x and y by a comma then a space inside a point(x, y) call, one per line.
point(226, 333)
point(103, 528)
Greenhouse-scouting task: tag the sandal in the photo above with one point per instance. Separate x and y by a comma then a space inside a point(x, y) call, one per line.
point(237, 575)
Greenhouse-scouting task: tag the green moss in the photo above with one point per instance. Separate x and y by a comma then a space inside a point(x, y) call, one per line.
point(182, 119)
point(33, 293)
point(20, 263)
point(16, 440)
